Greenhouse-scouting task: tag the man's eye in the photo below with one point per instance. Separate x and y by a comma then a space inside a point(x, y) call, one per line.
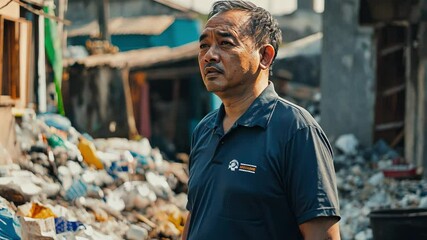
point(227, 43)
point(203, 46)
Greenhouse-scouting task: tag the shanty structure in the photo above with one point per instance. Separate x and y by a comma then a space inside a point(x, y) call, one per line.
point(147, 87)
point(22, 62)
point(374, 73)
point(133, 24)
point(301, 58)
point(161, 88)
point(140, 32)
point(25, 38)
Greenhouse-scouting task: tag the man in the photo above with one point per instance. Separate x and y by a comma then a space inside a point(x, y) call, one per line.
point(260, 167)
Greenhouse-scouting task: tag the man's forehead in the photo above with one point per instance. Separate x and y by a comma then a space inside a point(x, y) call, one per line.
point(233, 20)
point(223, 30)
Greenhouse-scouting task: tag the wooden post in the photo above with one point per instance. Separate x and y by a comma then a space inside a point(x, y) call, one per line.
point(62, 6)
point(103, 16)
point(41, 65)
point(1, 53)
point(410, 107)
point(133, 132)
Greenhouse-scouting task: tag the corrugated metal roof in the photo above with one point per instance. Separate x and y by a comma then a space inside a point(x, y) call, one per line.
point(176, 6)
point(139, 58)
point(147, 25)
point(188, 51)
point(309, 45)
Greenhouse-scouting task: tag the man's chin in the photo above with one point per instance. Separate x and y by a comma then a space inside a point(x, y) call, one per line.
point(215, 90)
point(213, 87)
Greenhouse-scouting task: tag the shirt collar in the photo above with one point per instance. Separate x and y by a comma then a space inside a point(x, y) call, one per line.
point(258, 113)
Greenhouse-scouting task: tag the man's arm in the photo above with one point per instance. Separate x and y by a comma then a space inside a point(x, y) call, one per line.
point(186, 227)
point(321, 228)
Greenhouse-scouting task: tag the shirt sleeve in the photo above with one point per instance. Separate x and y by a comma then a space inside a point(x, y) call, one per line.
point(189, 205)
point(309, 175)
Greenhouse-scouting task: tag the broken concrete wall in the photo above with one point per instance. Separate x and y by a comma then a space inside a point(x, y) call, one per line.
point(347, 72)
point(97, 101)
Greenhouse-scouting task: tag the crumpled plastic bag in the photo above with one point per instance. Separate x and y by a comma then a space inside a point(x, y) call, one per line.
point(62, 225)
point(38, 228)
point(40, 212)
point(159, 185)
point(347, 143)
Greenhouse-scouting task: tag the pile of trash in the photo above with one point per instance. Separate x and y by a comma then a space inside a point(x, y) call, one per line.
point(67, 185)
point(371, 179)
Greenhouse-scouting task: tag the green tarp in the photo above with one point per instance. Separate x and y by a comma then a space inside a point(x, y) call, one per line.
point(54, 54)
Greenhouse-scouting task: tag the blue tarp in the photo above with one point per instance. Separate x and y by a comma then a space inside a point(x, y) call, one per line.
point(10, 228)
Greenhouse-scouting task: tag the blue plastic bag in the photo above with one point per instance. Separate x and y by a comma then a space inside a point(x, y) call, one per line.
point(10, 228)
point(62, 225)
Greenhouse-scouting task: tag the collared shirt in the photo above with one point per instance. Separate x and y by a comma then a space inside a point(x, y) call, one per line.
point(272, 171)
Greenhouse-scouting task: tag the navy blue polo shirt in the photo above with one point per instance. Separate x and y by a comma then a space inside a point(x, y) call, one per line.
point(272, 171)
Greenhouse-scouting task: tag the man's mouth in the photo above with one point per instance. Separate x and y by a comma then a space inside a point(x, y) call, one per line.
point(212, 70)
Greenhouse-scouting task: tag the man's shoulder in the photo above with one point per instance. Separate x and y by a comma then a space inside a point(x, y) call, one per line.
point(207, 121)
point(209, 118)
point(295, 117)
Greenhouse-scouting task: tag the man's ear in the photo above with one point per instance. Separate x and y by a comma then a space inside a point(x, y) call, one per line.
point(266, 56)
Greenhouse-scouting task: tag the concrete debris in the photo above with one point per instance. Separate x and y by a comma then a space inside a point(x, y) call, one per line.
point(347, 144)
point(69, 186)
point(364, 235)
point(364, 187)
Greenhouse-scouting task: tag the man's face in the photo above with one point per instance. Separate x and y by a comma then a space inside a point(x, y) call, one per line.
point(228, 59)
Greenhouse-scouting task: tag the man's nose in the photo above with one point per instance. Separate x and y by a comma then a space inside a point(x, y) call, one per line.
point(212, 54)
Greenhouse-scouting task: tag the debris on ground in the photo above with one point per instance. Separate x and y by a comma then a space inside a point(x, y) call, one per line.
point(66, 185)
point(365, 184)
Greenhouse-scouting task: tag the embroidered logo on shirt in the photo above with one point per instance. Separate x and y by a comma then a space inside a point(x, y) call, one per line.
point(233, 165)
point(243, 167)
point(247, 168)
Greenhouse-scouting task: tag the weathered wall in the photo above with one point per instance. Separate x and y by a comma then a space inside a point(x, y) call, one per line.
point(347, 73)
point(7, 135)
point(97, 101)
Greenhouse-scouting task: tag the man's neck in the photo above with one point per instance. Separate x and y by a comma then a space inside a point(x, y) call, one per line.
point(236, 106)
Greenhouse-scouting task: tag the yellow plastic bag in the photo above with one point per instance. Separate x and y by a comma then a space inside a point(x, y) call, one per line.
point(88, 152)
point(40, 212)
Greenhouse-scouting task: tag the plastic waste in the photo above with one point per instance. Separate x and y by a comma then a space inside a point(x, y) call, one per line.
point(136, 233)
point(139, 158)
point(37, 228)
point(55, 120)
point(159, 185)
point(77, 189)
point(10, 228)
point(40, 211)
point(89, 153)
point(348, 144)
point(62, 225)
point(55, 141)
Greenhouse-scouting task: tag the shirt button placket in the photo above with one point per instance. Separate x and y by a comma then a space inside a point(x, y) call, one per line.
point(219, 142)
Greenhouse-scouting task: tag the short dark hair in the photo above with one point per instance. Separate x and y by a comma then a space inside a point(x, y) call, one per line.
point(262, 26)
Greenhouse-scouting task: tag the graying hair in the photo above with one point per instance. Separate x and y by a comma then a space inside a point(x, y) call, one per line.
point(262, 27)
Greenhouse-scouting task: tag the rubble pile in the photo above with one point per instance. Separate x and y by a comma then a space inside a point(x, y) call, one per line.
point(364, 185)
point(67, 185)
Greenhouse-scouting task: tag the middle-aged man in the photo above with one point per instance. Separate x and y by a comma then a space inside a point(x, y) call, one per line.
point(260, 166)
